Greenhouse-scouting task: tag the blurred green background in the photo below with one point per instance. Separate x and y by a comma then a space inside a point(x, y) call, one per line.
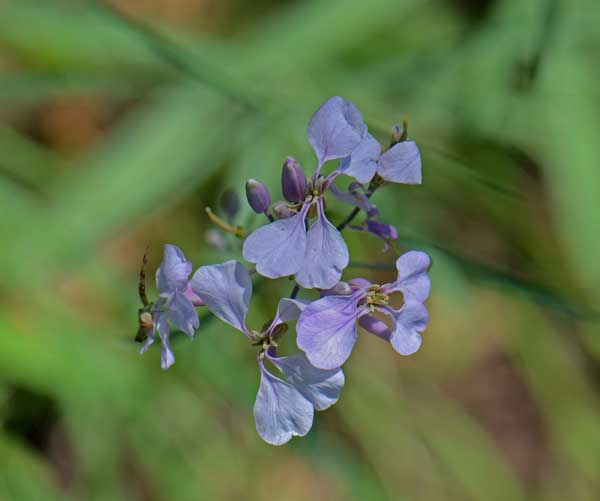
point(120, 122)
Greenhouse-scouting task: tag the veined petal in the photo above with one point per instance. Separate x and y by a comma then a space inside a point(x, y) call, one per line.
point(401, 164)
point(375, 326)
point(226, 290)
point(339, 289)
point(149, 341)
point(413, 280)
point(327, 330)
point(321, 387)
point(326, 255)
point(280, 410)
point(409, 321)
point(335, 129)
point(181, 312)
point(359, 283)
point(174, 270)
point(189, 293)
point(362, 163)
point(288, 310)
point(167, 359)
point(278, 248)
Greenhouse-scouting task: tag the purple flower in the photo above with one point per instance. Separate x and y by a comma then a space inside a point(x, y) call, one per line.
point(327, 328)
point(284, 247)
point(176, 303)
point(400, 164)
point(284, 405)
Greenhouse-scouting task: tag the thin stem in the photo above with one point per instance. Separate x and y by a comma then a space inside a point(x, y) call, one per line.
point(142, 281)
point(295, 291)
point(348, 219)
point(238, 231)
point(269, 217)
point(372, 188)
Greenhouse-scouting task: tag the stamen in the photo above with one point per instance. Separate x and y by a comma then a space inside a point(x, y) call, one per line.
point(375, 298)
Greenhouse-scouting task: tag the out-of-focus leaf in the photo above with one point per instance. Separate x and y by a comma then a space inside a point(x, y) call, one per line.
point(152, 158)
point(38, 32)
point(24, 476)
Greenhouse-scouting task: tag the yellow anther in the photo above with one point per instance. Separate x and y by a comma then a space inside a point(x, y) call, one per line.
point(375, 298)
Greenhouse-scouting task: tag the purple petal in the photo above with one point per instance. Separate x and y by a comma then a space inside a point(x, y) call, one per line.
point(340, 289)
point(326, 255)
point(408, 323)
point(359, 283)
point(356, 198)
point(278, 248)
point(174, 270)
point(280, 410)
point(401, 164)
point(362, 163)
point(321, 387)
point(382, 230)
point(181, 313)
point(335, 129)
point(149, 341)
point(167, 359)
point(327, 330)
point(385, 232)
point(413, 280)
point(375, 326)
point(192, 297)
point(288, 310)
point(226, 290)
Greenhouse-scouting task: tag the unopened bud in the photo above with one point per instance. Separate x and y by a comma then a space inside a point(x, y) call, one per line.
point(293, 181)
point(399, 132)
point(382, 230)
point(257, 195)
point(229, 203)
point(281, 210)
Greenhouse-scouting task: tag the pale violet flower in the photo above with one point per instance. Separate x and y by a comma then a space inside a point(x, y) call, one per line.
point(327, 328)
point(286, 402)
point(176, 304)
point(317, 255)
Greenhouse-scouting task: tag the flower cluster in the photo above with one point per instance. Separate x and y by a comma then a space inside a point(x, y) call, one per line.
point(299, 240)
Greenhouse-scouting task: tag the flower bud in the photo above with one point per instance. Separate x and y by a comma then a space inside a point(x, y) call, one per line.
point(257, 195)
point(281, 210)
point(382, 230)
point(399, 132)
point(229, 203)
point(293, 181)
